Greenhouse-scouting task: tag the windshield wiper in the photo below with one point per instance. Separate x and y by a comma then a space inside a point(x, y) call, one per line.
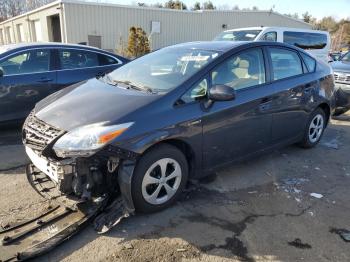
point(135, 86)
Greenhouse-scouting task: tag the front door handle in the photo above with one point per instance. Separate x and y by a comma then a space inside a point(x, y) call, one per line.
point(45, 80)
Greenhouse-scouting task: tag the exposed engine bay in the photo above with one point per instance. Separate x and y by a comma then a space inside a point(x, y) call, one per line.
point(82, 178)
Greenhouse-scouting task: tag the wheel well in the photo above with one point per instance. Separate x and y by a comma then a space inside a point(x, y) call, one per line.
point(184, 148)
point(326, 109)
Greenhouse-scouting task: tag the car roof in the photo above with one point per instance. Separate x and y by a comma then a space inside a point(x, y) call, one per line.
point(219, 46)
point(277, 28)
point(22, 46)
point(225, 46)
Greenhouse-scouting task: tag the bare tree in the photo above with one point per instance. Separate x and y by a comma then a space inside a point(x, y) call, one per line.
point(11, 8)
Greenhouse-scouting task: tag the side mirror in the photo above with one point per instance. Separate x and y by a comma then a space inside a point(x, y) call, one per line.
point(222, 93)
point(219, 93)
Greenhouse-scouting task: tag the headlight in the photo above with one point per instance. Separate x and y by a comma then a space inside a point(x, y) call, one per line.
point(85, 140)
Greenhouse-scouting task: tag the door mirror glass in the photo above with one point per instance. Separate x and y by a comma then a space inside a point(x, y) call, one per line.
point(221, 93)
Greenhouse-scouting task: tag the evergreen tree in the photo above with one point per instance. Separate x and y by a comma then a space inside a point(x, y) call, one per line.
point(197, 6)
point(208, 6)
point(138, 43)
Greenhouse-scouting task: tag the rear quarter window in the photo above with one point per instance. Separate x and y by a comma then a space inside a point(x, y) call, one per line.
point(305, 40)
point(310, 62)
point(106, 60)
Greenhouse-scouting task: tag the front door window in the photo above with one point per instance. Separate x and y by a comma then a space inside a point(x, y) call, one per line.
point(33, 61)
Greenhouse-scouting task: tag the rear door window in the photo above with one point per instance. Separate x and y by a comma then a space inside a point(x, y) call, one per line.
point(285, 63)
point(31, 61)
point(75, 59)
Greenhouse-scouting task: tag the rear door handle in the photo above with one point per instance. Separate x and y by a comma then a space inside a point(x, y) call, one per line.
point(265, 103)
point(194, 122)
point(45, 80)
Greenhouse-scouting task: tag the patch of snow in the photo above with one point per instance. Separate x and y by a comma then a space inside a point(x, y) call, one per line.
point(316, 195)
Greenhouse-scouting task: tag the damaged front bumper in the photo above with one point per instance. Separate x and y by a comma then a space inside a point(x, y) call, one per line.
point(109, 172)
point(342, 97)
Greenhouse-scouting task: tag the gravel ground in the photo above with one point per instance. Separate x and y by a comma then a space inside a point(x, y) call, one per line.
point(263, 209)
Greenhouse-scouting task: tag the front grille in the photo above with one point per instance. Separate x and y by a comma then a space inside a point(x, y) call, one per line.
point(343, 78)
point(37, 134)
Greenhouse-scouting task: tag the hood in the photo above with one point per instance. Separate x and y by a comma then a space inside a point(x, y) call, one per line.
point(90, 102)
point(341, 66)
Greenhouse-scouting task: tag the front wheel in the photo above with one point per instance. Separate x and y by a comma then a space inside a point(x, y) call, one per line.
point(314, 129)
point(159, 178)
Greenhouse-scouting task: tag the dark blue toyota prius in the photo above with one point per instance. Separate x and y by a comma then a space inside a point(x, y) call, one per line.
point(180, 112)
point(30, 72)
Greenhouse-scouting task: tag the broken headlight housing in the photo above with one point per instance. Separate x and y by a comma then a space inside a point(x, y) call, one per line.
point(86, 140)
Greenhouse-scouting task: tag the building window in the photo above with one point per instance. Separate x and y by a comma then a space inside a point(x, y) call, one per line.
point(9, 35)
point(38, 35)
point(2, 42)
point(20, 33)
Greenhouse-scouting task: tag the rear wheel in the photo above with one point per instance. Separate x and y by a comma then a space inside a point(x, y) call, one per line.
point(314, 129)
point(159, 178)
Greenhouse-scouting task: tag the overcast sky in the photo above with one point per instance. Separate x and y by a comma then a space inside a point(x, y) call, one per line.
point(318, 8)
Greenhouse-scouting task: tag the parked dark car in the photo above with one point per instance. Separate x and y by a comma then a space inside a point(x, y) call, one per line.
point(182, 111)
point(30, 72)
point(341, 70)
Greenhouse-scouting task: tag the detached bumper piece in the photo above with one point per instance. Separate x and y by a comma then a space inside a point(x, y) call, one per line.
point(41, 234)
point(62, 219)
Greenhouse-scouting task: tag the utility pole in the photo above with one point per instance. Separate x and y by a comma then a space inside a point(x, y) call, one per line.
point(341, 35)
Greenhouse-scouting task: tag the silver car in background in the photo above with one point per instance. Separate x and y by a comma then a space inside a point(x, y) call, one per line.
point(341, 70)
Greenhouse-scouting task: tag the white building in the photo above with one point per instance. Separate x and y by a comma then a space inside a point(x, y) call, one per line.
point(107, 25)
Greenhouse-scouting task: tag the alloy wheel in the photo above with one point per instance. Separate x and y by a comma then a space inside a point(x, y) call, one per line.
point(161, 181)
point(316, 128)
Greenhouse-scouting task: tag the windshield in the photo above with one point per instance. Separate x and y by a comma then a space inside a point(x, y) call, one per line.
point(346, 57)
point(242, 35)
point(161, 70)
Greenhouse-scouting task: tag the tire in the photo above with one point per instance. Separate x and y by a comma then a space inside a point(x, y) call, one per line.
point(153, 189)
point(314, 129)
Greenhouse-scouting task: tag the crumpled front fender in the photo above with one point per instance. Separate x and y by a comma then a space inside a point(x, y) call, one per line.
point(125, 173)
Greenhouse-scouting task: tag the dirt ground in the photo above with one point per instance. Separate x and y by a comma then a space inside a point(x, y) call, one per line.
point(259, 210)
